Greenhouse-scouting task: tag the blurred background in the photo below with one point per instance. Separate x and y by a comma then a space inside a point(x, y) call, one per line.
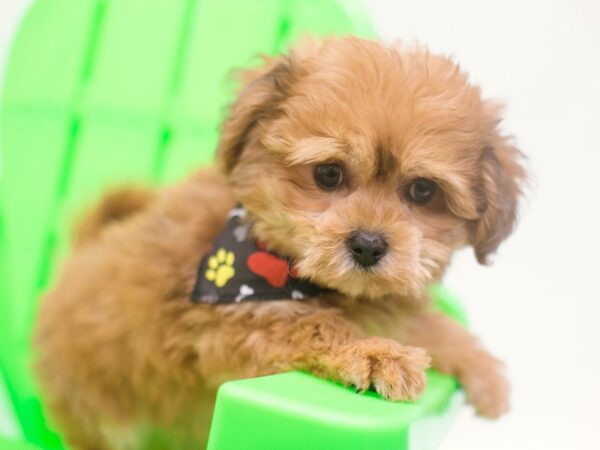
point(538, 306)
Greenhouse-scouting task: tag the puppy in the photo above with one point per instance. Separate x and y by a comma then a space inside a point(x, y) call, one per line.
point(362, 168)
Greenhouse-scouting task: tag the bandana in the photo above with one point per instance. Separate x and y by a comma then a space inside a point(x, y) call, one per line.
point(239, 268)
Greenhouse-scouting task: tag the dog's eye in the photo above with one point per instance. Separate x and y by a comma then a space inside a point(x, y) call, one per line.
point(328, 176)
point(421, 190)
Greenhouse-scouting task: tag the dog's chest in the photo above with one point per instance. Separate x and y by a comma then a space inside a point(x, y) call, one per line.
point(377, 320)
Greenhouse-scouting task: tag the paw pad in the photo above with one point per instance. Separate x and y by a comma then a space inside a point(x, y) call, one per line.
point(220, 267)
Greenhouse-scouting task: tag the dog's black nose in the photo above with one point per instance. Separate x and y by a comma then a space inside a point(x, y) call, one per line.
point(367, 248)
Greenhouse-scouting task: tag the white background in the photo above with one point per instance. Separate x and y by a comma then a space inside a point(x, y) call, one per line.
point(538, 306)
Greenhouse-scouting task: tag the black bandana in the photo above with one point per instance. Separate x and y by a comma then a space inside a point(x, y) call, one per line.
point(239, 269)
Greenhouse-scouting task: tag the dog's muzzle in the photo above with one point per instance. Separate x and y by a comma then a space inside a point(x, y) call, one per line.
point(367, 248)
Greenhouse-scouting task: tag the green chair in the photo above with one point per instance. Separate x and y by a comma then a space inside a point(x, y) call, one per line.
point(99, 92)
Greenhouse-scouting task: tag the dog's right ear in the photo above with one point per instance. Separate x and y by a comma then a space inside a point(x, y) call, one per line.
point(260, 100)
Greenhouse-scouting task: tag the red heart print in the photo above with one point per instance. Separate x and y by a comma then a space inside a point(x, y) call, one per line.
point(270, 267)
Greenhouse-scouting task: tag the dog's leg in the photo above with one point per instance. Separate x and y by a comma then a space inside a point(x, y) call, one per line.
point(315, 339)
point(457, 352)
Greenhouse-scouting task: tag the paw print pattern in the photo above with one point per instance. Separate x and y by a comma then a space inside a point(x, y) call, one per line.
point(220, 267)
point(237, 268)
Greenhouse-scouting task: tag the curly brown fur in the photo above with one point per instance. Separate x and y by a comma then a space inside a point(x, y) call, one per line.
point(115, 206)
point(123, 349)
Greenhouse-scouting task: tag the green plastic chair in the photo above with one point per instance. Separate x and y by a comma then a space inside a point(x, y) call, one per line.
point(100, 92)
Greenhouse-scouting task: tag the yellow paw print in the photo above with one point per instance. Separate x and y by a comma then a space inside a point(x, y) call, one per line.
point(220, 267)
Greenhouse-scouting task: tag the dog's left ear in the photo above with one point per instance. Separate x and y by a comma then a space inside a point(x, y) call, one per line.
point(502, 178)
point(260, 99)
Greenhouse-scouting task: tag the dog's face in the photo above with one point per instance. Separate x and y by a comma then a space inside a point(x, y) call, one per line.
point(369, 165)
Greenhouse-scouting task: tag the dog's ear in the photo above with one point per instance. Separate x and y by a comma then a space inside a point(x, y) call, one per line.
point(263, 92)
point(502, 178)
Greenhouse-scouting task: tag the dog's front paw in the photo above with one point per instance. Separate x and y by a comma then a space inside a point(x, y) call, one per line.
point(486, 387)
point(395, 371)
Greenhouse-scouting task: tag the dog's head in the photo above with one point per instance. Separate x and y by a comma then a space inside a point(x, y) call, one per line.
point(369, 165)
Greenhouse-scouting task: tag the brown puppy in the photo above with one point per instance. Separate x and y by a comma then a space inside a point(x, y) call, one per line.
point(367, 166)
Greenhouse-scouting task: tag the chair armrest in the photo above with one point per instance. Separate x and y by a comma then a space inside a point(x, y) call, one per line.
point(298, 411)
